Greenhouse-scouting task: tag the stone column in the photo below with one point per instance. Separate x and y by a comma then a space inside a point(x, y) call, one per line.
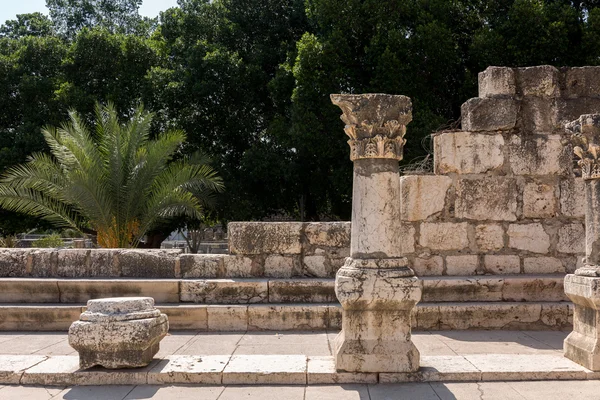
point(583, 287)
point(376, 287)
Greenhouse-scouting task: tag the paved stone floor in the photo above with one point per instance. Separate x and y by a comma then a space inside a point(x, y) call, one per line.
point(438, 343)
point(546, 390)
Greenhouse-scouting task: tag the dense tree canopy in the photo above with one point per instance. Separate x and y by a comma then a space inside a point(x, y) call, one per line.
point(249, 80)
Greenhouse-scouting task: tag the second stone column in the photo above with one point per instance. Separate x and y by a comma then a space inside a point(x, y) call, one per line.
point(376, 287)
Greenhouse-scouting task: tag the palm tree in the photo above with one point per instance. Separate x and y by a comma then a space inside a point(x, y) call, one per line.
point(114, 182)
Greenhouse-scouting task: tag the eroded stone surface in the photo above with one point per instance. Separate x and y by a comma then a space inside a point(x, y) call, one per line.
point(467, 152)
point(530, 237)
point(489, 237)
point(539, 200)
point(444, 235)
point(260, 237)
point(118, 332)
point(488, 198)
point(423, 196)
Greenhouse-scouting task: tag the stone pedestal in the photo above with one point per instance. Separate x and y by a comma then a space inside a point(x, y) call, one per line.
point(583, 287)
point(120, 332)
point(376, 287)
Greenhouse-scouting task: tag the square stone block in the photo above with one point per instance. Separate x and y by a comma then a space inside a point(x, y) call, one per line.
point(489, 237)
point(497, 81)
point(444, 235)
point(502, 264)
point(489, 114)
point(148, 263)
point(540, 81)
point(571, 239)
point(529, 237)
point(265, 237)
point(428, 266)
point(467, 152)
point(582, 82)
point(328, 234)
point(539, 115)
point(543, 265)
point(488, 198)
point(14, 263)
point(572, 197)
point(202, 265)
point(43, 262)
point(540, 155)
point(462, 265)
point(278, 266)
point(539, 200)
point(237, 266)
point(423, 196)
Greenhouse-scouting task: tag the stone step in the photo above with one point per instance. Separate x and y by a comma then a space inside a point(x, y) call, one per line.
point(306, 316)
point(249, 291)
point(297, 369)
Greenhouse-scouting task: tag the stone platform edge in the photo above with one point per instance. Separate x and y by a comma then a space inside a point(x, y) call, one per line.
point(285, 370)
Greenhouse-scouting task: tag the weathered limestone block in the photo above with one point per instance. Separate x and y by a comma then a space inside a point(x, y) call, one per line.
point(539, 200)
point(202, 265)
point(571, 239)
point(224, 291)
point(582, 82)
point(543, 265)
point(539, 155)
point(462, 289)
point(423, 196)
point(541, 81)
point(570, 109)
point(428, 265)
point(489, 237)
point(462, 265)
point(328, 234)
point(497, 81)
point(86, 263)
point(376, 338)
point(302, 291)
point(583, 344)
point(238, 266)
point(82, 290)
point(488, 198)
point(529, 237)
point(539, 115)
point(148, 263)
point(572, 198)
point(502, 264)
point(43, 262)
point(444, 235)
point(489, 114)
point(265, 237)
point(533, 288)
point(120, 332)
point(228, 318)
point(279, 266)
point(14, 263)
point(467, 152)
point(291, 317)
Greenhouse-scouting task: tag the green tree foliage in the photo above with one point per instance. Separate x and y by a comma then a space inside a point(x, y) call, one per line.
point(249, 80)
point(113, 180)
point(34, 24)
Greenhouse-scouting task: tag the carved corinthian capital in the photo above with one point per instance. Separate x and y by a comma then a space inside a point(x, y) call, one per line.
point(376, 123)
point(586, 131)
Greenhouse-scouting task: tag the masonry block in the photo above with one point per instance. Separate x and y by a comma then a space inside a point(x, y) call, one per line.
point(543, 265)
point(539, 200)
point(540, 155)
point(444, 235)
point(328, 234)
point(489, 237)
point(148, 263)
point(541, 81)
point(428, 265)
point(497, 81)
point(571, 239)
point(572, 197)
point(582, 82)
point(489, 114)
point(462, 265)
point(539, 115)
point(265, 237)
point(488, 198)
point(423, 196)
point(502, 264)
point(529, 237)
point(468, 152)
point(202, 265)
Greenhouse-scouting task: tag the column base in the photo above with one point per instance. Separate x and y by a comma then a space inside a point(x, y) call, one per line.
point(583, 344)
point(385, 346)
point(377, 307)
